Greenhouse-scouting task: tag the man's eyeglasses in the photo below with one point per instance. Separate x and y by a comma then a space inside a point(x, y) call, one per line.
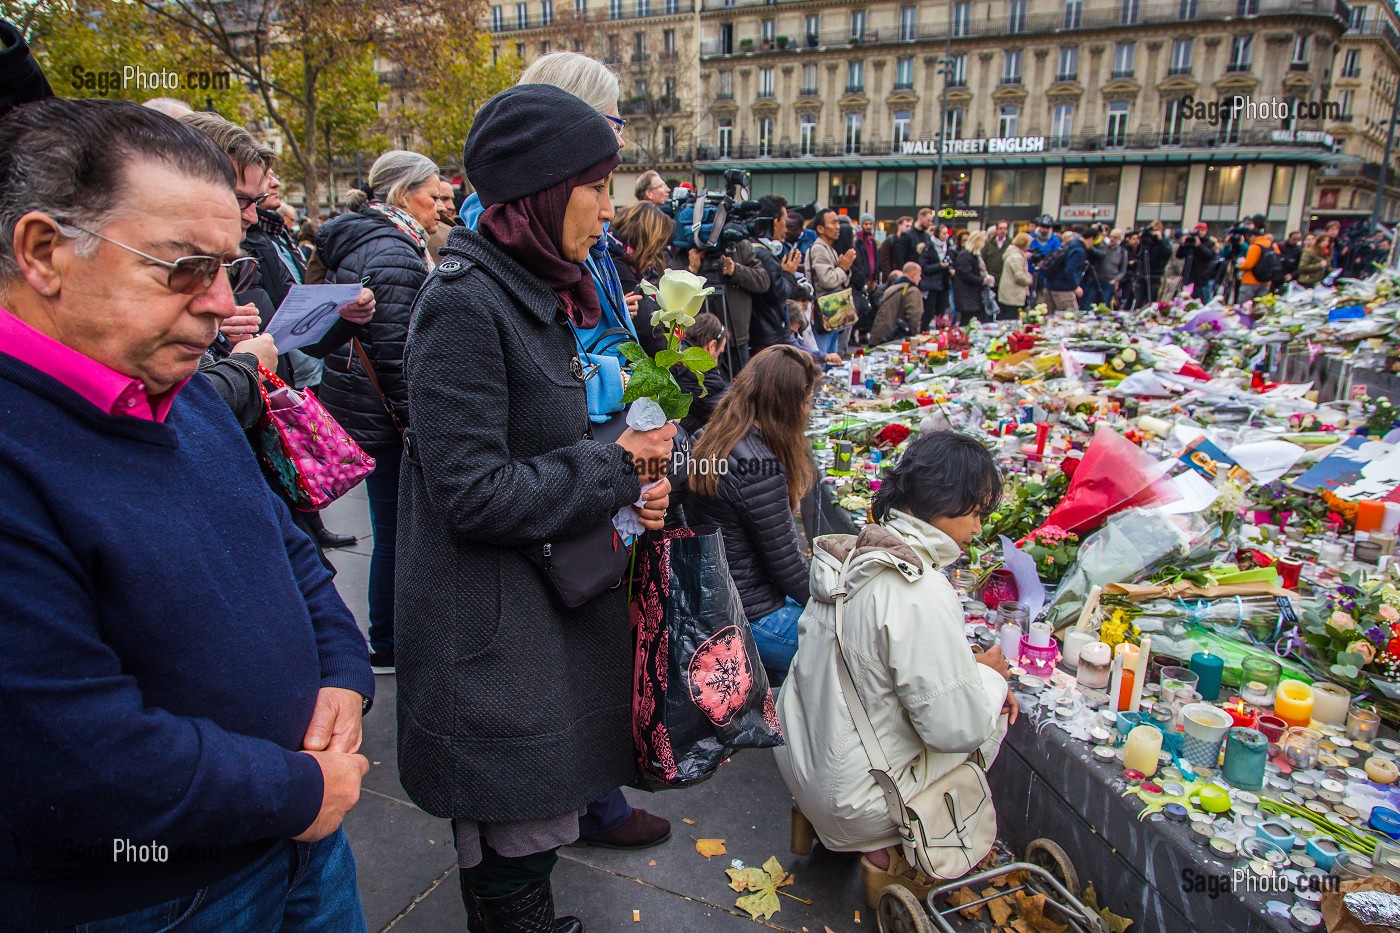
point(193, 275)
point(245, 202)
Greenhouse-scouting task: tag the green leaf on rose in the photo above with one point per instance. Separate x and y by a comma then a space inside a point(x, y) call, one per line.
point(673, 401)
point(698, 360)
point(632, 352)
point(647, 382)
point(668, 358)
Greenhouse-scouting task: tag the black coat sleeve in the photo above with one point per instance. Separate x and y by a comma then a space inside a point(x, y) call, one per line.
point(765, 513)
point(235, 378)
point(395, 274)
point(966, 268)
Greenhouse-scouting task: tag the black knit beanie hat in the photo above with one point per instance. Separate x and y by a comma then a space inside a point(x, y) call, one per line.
point(531, 137)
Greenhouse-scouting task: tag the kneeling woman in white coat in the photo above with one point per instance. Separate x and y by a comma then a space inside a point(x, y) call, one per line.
point(931, 701)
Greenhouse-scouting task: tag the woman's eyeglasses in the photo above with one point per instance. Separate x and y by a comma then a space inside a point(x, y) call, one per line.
point(618, 123)
point(245, 202)
point(193, 275)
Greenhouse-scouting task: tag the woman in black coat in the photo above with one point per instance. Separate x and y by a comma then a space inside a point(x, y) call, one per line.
point(514, 711)
point(758, 428)
point(970, 278)
point(382, 242)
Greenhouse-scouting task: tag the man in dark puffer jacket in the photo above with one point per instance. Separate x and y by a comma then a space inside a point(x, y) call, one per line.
point(358, 247)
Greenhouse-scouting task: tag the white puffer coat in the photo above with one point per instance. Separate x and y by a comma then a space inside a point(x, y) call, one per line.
point(931, 704)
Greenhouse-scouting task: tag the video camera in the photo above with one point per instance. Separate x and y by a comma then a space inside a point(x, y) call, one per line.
point(712, 221)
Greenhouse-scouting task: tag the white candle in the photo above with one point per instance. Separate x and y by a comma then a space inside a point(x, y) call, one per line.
point(1011, 642)
point(1039, 635)
point(1144, 745)
point(1257, 693)
point(1075, 640)
point(1330, 703)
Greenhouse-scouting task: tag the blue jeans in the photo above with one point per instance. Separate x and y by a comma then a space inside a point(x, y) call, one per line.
point(776, 637)
point(604, 815)
point(829, 343)
point(296, 886)
point(383, 488)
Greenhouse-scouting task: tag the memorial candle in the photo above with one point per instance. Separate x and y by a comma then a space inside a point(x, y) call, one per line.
point(1210, 669)
point(1294, 703)
point(1246, 753)
point(1330, 704)
point(1144, 745)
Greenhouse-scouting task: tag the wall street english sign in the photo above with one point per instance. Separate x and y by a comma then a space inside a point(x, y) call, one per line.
point(982, 146)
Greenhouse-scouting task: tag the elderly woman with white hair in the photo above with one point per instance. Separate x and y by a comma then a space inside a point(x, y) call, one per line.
point(381, 242)
point(610, 821)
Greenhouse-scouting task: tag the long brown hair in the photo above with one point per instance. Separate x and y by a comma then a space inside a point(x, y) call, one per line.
point(771, 392)
point(647, 230)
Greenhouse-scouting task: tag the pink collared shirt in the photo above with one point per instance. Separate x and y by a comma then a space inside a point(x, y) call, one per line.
point(109, 390)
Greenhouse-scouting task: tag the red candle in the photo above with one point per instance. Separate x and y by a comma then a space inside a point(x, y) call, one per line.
point(1245, 717)
point(1042, 434)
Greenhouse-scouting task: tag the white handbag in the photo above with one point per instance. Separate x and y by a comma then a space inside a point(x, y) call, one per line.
point(948, 828)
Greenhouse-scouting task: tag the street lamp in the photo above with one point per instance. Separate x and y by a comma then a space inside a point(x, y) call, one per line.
point(945, 68)
point(1385, 161)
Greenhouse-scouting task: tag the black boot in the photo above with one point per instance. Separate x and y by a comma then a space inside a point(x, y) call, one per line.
point(528, 910)
point(475, 922)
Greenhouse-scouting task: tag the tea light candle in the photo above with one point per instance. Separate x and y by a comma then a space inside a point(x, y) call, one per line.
point(1095, 660)
point(1257, 693)
point(1214, 799)
point(1245, 717)
point(1294, 703)
point(1223, 849)
point(1144, 745)
point(1305, 918)
point(1363, 725)
point(1381, 771)
point(1330, 703)
point(1039, 636)
point(1210, 668)
point(1246, 753)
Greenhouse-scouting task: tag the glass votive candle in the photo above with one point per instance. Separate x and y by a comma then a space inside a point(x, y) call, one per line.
point(1363, 725)
point(1175, 680)
point(1259, 679)
point(1289, 569)
point(1011, 612)
point(964, 581)
point(1301, 747)
point(1272, 727)
point(1000, 587)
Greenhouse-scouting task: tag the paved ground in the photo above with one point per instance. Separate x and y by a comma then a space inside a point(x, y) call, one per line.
point(407, 871)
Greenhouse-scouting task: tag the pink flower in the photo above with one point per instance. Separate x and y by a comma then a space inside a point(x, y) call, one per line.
point(1342, 621)
point(1389, 614)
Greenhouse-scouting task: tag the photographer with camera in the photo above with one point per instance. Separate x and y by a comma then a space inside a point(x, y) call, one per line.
point(1197, 254)
point(1153, 255)
point(742, 275)
point(1261, 263)
point(830, 274)
point(769, 324)
point(1099, 272)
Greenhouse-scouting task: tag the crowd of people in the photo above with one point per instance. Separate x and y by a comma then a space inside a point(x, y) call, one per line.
point(181, 673)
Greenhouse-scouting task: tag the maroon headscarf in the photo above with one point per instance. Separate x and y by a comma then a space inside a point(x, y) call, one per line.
point(529, 231)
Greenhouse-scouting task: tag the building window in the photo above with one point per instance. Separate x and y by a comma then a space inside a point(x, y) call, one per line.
point(814, 21)
point(809, 79)
point(1181, 57)
point(643, 7)
point(1186, 9)
point(896, 189)
point(668, 142)
point(1241, 52)
point(1123, 55)
point(765, 136)
point(726, 85)
point(726, 134)
point(1130, 12)
point(1246, 7)
point(853, 127)
point(953, 123)
point(855, 76)
point(844, 191)
point(673, 6)
point(1358, 18)
point(765, 82)
point(1351, 65)
point(1085, 187)
point(808, 128)
point(1117, 134)
point(903, 73)
point(580, 7)
point(668, 91)
point(901, 129)
point(498, 19)
point(546, 48)
point(1221, 199)
point(1290, 119)
point(614, 49)
point(639, 46)
point(1162, 193)
point(1008, 119)
point(614, 9)
point(908, 23)
point(1062, 124)
point(1074, 14)
point(857, 24)
point(1069, 64)
point(962, 17)
point(668, 42)
point(726, 38)
point(1344, 102)
point(519, 53)
point(769, 31)
point(1014, 187)
point(522, 15)
point(1016, 21)
point(957, 71)
point(1300, 49)
point(1281, 189)
point(1173, 122)
point(1011, 67)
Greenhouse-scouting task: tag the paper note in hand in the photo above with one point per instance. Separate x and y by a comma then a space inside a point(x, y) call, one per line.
point(307, 313)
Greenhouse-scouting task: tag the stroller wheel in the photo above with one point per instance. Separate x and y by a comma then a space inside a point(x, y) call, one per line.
point(1049, 855)
point(901, 912)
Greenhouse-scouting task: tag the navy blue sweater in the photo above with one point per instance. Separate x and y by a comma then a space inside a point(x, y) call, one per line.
point(164, 629)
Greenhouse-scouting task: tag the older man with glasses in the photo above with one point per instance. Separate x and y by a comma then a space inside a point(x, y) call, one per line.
point(182, 686)
point(651, 187)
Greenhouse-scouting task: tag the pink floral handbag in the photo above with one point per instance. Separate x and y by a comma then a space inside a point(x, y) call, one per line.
point(304, 451)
